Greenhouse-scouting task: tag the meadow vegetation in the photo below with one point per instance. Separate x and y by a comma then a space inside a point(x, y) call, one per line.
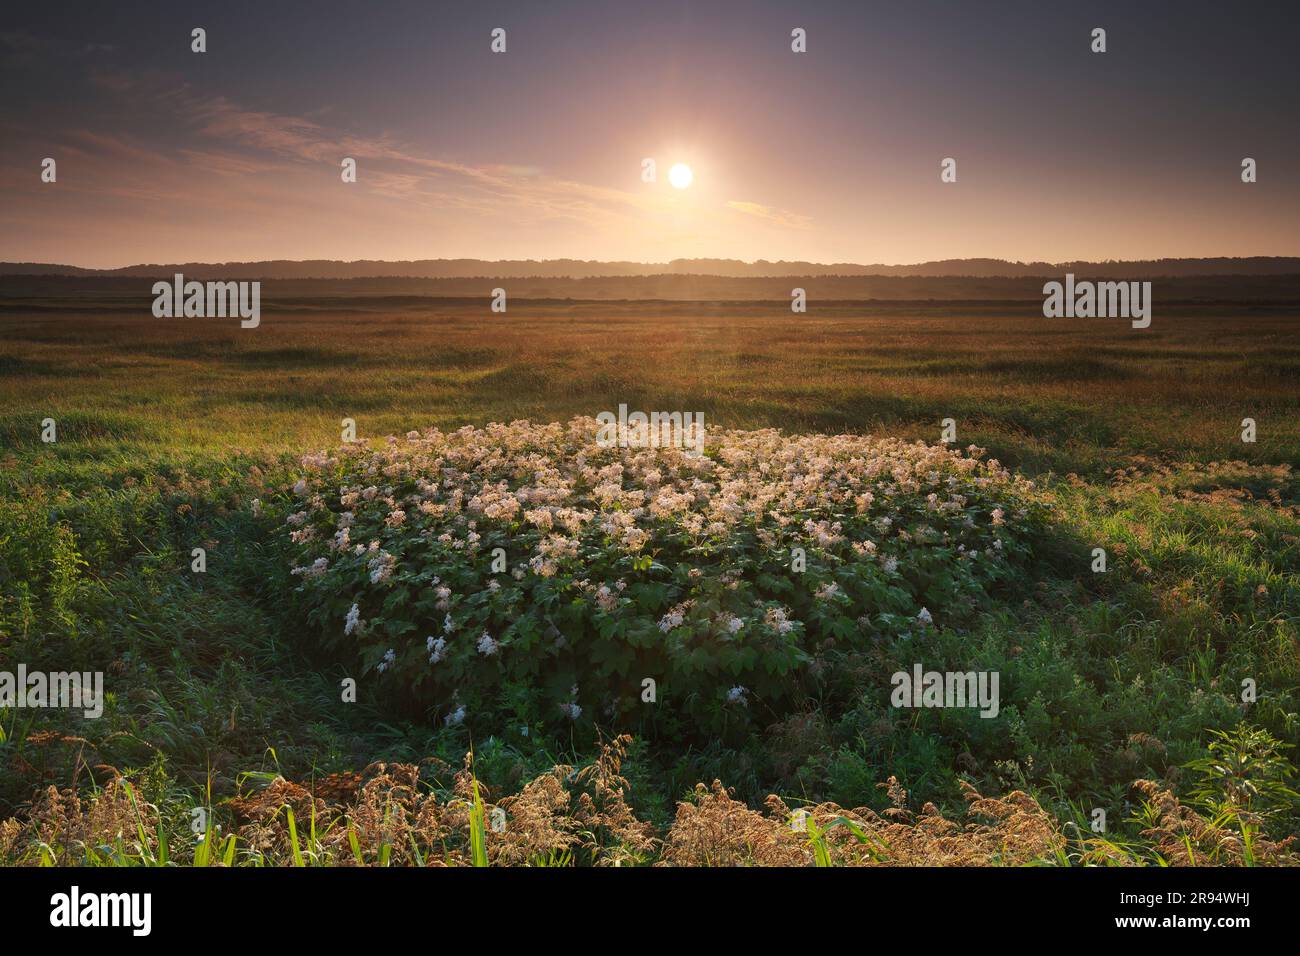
point(1120, 690)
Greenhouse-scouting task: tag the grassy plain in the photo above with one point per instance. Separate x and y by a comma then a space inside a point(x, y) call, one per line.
point(1062, 395)
point(167, 428)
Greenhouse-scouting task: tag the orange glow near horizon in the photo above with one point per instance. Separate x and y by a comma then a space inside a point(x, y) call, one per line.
point(826, 156)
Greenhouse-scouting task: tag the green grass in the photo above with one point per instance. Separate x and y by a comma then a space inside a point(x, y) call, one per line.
point(1043, 395)
point(167, 430)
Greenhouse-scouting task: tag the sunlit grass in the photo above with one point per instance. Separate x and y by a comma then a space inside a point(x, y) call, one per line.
point(166, 433)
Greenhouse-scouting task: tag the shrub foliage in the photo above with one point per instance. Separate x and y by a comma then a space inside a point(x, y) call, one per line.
point(528, 571)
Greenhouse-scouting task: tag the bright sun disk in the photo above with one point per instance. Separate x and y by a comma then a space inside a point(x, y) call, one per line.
point(681, 176)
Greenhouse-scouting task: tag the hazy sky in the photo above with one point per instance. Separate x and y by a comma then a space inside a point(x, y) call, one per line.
point(831, 155)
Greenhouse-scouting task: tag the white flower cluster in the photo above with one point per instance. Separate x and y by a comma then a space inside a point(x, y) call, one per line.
point(373, 522)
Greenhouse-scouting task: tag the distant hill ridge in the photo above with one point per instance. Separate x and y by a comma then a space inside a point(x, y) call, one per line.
point(731, 268)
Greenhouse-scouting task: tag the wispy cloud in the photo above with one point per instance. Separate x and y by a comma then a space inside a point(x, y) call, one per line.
point(780, 217)
point(257, 140)
point(234, 175)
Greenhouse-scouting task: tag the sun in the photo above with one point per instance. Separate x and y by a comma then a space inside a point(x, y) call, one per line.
point(681, 176)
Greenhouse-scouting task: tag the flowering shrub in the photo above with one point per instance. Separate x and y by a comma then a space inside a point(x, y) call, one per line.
point(726, 578)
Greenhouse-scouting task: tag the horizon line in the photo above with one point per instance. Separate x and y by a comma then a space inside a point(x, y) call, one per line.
point(648, 263)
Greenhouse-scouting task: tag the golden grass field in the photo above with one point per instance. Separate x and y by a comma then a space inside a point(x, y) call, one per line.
point(167, 429)
point(1043, 394)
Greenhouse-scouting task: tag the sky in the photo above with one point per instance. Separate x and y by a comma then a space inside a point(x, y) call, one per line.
point(831, 155)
